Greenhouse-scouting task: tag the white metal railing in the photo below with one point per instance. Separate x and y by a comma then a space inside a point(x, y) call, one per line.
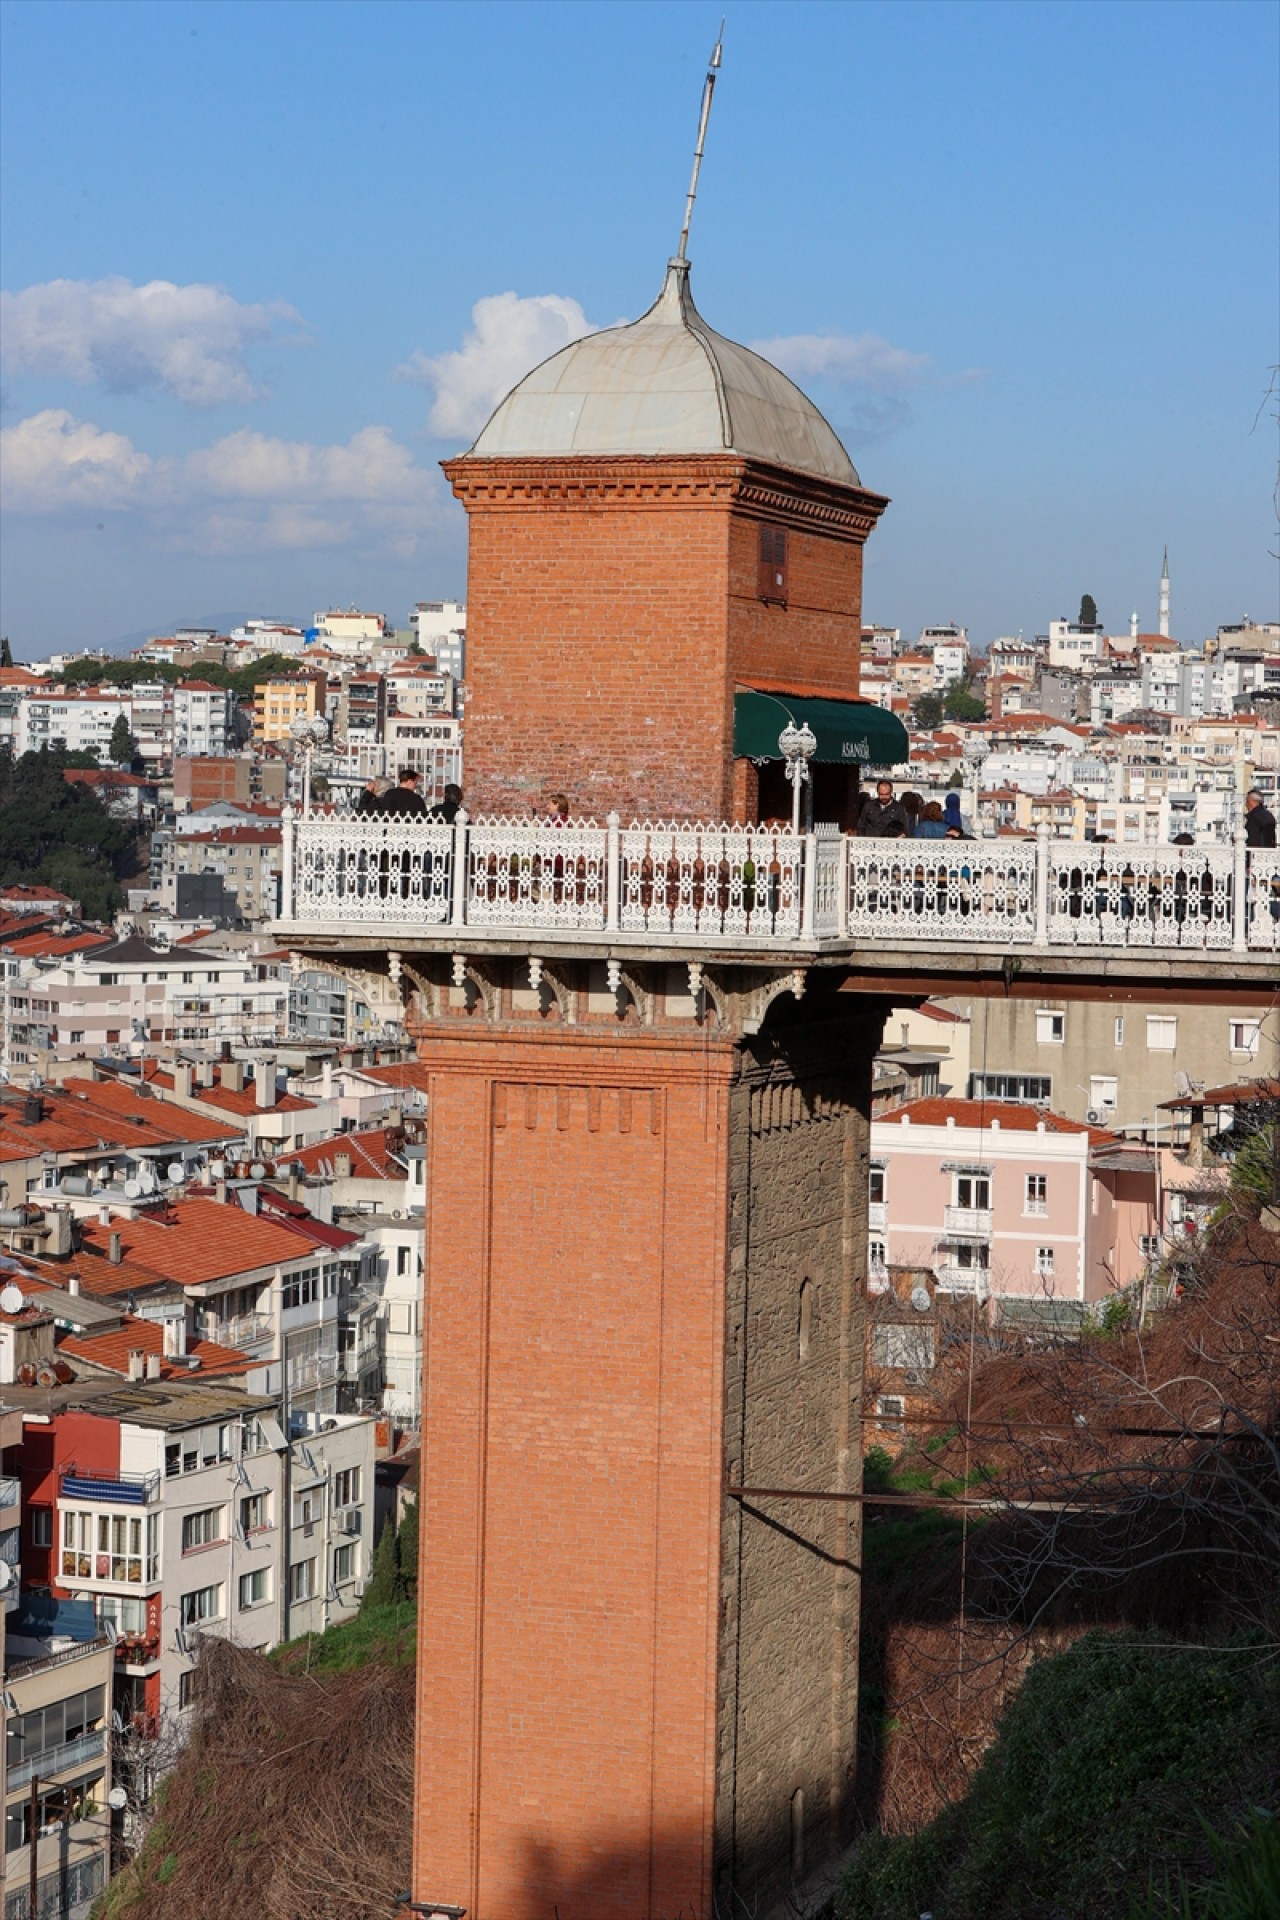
point(877, 1215)
point(964, 1280)
point(975, 1222)
point(727, 883)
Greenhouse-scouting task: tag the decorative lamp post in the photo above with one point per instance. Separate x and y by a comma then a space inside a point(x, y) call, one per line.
point(797, 745)
point(308, 732)
point(975, 753)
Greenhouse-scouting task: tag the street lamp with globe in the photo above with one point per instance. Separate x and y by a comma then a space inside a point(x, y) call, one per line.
point(797, 745)
point(975, 753)
point(308, 732)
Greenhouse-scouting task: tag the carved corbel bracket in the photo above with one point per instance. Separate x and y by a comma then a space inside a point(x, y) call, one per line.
point(756, 1003)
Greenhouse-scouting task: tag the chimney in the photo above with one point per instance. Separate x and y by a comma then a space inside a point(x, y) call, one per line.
point(220, 1193)
point(264, 1083)
point(153, 1366)
point(182, 1078)
point(73, 1283)
point(137, 1363)
point(175, 1337)
point(32, 1110)
point(326, 1079)
point(115, 1249)
point(233, 1076)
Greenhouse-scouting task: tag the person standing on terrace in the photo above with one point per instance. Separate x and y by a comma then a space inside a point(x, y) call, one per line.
point(884, 817)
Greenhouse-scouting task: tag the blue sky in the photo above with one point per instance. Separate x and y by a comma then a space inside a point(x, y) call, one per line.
point(265, 264)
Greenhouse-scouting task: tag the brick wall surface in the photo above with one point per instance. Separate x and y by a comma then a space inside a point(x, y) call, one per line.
point(611, 610)
point(571, 1480)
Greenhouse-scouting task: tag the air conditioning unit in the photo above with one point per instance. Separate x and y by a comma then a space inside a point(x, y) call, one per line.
point(1094, 1116)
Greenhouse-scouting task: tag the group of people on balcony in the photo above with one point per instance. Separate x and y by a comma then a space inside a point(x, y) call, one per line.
point(403, 801)
point(883, 817)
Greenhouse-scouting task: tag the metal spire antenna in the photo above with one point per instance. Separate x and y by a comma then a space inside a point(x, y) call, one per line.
point(707, 91)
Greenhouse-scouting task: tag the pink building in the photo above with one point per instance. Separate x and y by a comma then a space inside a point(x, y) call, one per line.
point(1010, 1201)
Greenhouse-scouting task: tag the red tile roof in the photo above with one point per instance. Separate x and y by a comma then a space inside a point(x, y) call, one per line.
point(980, 1114)
point(368, 1151)
point(198, 1240)
point(111, 1350)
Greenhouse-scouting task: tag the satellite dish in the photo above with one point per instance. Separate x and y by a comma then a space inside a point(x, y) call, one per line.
point(133, 1189)
point(117, 1799)
point(257, 1171)
point(1181, 1083)
point(920, 1299)
point(11, 1300)
point(176, 1172)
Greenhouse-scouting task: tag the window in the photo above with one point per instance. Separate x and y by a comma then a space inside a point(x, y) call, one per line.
point(1104, 1093)
point(1034, 1088)
point(771, 565)
point(253, 1588)
point(804, 1327)
point(344, 1564)
point(402, 1260)
point(1037, 1194)
point(41, 1526)
point(204, 1604)
point(973, 1191)
point(302, 1580)
point(346, 1487)
point(973, 1255)
point(1149, 1245)
point(254, 1513)
point(1051, 1027)
point(876, 1186)
point(186, 1689)
point(891, 1410)
point(1119, 1030)
point(1162, 1032)
point(907, 1345)
point(1044, 1262)
point(877, 1256)
point(1244, 1036)
point(201, 1529)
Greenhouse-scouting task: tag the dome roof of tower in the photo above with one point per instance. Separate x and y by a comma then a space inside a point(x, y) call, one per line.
point(666, 384)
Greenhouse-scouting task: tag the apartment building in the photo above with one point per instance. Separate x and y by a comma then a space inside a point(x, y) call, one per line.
point(1009, 1202)
point(235, 869)
point(278, 703)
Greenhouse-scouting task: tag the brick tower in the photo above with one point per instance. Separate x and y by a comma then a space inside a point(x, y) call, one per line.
point(647, 1180)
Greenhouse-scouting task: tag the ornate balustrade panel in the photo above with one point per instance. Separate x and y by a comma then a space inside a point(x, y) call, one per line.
point(535, 874)
point(942, 890)
point(1262, 899)
point(370, 869)
point(711, 880)
point(828, 869)
point(1148, 896)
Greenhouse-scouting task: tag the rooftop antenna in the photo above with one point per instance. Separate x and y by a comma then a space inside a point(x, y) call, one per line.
point(707, 91)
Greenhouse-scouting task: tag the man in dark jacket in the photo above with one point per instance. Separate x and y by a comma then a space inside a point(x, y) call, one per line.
point(1259, 821)
point(884, 817)
point(403, 798)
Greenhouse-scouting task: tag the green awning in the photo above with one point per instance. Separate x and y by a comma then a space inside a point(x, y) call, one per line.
point(849, 732)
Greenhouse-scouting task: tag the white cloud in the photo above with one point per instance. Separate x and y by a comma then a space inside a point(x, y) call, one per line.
point(861, 359)
point(246, 492)
point(52, 461)
point(508, 337)
point(190, 340)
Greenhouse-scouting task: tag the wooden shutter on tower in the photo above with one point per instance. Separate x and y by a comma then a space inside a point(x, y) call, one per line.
point(772, 565)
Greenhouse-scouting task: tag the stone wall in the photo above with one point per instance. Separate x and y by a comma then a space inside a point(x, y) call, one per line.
point(789, 1595)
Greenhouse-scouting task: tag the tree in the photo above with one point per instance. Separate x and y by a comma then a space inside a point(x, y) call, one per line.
point(960, 704)
point(122, 748)
point(6, 651)
point(1088, 611)
point(927, 711)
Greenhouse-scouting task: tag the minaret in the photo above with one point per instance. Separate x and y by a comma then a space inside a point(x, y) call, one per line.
point(1164, 596)
point(1133, 624)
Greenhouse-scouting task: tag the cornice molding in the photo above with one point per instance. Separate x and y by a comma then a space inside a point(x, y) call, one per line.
point(663, 480)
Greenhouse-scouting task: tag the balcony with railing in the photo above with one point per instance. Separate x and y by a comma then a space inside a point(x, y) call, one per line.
point(240, 1330)
point(877, 1215)
point(55, 1760)
point(10, 1498)
point(109, 1489)
point(761, 887)
point(973, 1222)
point(954, 1279)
